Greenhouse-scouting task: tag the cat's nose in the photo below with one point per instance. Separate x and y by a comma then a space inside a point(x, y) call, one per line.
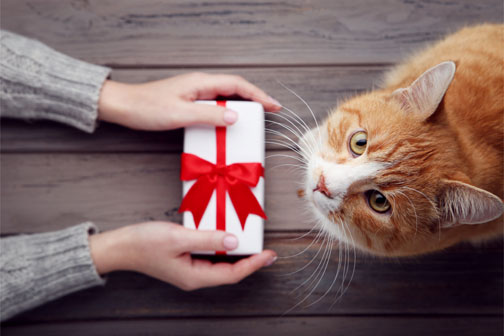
point(322, 188)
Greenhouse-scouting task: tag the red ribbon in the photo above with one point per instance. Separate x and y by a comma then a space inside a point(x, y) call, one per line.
point(236, 179)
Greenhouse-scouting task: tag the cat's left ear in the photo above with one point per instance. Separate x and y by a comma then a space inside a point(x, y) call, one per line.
point(423, 96)
point(461, 203)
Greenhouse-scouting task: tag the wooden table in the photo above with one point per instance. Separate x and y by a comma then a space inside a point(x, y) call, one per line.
point(54, 176)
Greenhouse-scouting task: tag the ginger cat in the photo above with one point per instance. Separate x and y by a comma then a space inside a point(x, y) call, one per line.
point(418, 165)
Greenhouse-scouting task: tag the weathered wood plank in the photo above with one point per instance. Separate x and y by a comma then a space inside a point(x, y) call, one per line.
point(242, 32)
point(279, 326)
point(43, 192)
point(321, 87)
point(461, 280)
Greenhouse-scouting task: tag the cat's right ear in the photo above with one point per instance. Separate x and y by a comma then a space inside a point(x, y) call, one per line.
point(423, 96)
point(461, 203)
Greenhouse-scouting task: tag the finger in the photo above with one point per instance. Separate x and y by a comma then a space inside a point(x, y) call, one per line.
point(208, 114)
point(208, 275)
point(201, 240)
point(229, 85)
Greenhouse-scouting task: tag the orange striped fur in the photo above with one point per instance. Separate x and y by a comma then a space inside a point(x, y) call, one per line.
point(422, 160)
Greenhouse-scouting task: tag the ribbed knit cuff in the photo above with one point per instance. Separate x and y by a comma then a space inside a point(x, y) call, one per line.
point(39, 268)
point(38, 82)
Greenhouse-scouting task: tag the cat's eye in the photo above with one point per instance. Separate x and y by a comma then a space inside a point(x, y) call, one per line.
point(377, 201)
point(358, 143)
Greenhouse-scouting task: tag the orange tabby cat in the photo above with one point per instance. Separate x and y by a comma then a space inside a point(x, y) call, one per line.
point(418, 165)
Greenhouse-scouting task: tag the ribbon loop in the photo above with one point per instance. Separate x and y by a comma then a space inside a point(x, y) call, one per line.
point(238, 177)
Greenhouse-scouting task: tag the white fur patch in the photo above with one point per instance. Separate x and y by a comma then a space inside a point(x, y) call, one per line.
point(338, 178)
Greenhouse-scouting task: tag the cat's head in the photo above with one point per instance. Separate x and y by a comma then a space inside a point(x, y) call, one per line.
point(384, 177)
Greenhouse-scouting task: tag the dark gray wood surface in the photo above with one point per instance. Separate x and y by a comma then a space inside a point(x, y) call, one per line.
point(325, 51)
point(280, 326)
point(440, 284)
point(222, 33)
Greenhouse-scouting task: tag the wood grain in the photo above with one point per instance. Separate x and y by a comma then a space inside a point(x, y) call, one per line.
point(280, 326)
point(53, 176)
point(462, 280)
point(181, 33)
point(42, 192)
point(321, 87)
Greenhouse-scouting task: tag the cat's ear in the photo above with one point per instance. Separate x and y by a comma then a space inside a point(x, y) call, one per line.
point(461, 203)
point(423, 96)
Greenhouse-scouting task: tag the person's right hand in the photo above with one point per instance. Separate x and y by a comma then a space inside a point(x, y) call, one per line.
point(162, 250)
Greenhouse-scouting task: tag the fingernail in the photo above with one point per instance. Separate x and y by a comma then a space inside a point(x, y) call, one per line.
point(274, 101)
point(230, 242)
point(270, 261)
point(230, 116)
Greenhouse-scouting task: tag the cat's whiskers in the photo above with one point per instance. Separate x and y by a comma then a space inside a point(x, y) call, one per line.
point(295, 117)
point(308, 106)
point(288, 128)
point(323, 270)
point(314, 240)
point(289, 141)
point(314, 284)
point(344, 258)
point(287, 156)
point(318, 274)
point(310, 145)
point(335, 278)
point(354, 261)
point(299, 133)
point(324, 246)
point(288, 145)
point(281, 143)
point(343, 289)
point(306, 265)
point(305, 126)
point(297, 166)
point(304, 234)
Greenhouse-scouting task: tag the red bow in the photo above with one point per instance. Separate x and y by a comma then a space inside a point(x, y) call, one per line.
point(236, 179)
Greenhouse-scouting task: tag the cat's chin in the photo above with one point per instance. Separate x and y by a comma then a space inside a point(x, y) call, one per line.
point(331, 228)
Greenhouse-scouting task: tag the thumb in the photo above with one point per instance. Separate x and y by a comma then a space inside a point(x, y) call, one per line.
point(194, 240)
point(209, 114)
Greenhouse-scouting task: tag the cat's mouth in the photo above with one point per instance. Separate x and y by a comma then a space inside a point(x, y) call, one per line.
point(324, 203)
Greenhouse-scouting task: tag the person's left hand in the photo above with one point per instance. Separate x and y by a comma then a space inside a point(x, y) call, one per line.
point(169, 103)
point(162, 250)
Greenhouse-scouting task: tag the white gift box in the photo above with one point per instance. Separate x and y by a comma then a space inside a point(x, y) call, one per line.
point(244, 143)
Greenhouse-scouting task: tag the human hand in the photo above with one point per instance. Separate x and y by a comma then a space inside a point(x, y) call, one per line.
point(169, 103)
point(161, 250)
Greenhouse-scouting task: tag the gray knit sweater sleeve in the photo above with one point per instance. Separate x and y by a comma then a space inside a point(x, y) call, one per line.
point(37, 268)
point(37, 82)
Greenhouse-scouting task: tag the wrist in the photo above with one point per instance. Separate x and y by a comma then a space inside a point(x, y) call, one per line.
point(109, 250)
point(114, 101)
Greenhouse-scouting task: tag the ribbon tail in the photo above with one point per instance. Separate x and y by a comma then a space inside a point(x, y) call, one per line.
point(244, 202)
point(197, 198)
